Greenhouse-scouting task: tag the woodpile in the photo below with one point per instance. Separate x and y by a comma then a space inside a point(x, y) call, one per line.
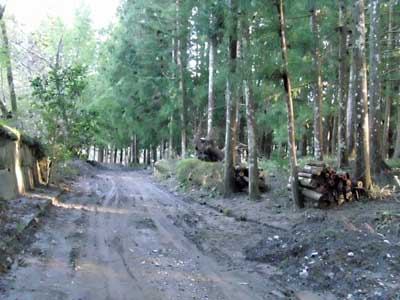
point(242, 179)
point(324, 186)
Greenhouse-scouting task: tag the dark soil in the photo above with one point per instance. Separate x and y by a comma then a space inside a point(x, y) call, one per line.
point(342, 252)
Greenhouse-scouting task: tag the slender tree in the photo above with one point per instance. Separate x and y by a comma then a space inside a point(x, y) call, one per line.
point(290, 112)
point(343, 83)
point(388, 85)
point(362, 166)
point(375, 101)
point(230, 100)
point(318, 129)
point(254, 192)
point(212, 66)
point(7, 56)
point(182, 61)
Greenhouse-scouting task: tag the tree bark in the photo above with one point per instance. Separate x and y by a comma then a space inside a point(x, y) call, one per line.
point(7, 58)
point(101, 155)
point(289, 101)
point(362, 166)
point(396, 153)
point(212, 55)
point(318, 129)
point(171, 138)
point(181, 59)
point(351, 109)
point(254, 192)
point(388, 87)
point(377, 163)
point(343, 84)
point(229, 171)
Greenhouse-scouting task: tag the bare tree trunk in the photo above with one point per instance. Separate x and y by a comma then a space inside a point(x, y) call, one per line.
point(254, 192)
point(171, 138)
point(134, 158)
point(388, 86)
point(318, 129)
point(343, 84)
point(288, 87)
point(362, 167)
point(101, 155)
point(212, 53)
point(396, 153)
point(230, 101)
point(350, 110)
point(181, 59)
point(3, 109)
point(377, 163)
point(7, 58)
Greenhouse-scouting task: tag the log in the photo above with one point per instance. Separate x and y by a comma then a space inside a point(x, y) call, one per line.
point(303, 174)
point(317, 163)
point(313, 170)
point(308, 182)
point(311, 194)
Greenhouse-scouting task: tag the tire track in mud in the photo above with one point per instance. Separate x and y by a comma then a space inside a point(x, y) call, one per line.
point(116, 239)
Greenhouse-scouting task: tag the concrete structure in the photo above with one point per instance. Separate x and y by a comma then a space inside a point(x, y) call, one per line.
point(21, 159)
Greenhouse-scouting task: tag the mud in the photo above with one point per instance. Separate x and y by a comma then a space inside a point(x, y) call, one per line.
point(118, 236)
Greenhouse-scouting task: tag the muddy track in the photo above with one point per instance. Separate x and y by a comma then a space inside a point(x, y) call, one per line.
point(119, 236)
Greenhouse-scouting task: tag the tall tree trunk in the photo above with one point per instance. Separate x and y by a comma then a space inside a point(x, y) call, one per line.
point(254, 192)
point(3, 109)
point(289, 101)
point(396, 153)
point(343, 84)
point(377, 163)
point(351, 109)
point(388, 86)
point(148, 162)
point(134, 149)
point(7, 58)
point(101, 155)
point(181, 59)
point(115, 155)
point(212, 56)
point(362, 167)
point(171, 138)
point(229, 180)
point(318, 129)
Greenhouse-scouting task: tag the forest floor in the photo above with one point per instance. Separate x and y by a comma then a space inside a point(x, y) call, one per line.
point(118, 234)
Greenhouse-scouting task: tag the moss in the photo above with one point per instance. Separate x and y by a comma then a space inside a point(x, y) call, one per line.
point(8, 133)
point(165, 168)
point(207, 175)
point(33, 143)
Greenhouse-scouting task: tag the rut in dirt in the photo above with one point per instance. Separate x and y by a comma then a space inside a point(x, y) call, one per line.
point(117, 236)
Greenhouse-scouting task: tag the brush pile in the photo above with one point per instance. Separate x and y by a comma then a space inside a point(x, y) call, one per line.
point(324, 186)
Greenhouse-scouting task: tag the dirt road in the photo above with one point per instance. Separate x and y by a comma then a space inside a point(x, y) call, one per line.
point(117, 235)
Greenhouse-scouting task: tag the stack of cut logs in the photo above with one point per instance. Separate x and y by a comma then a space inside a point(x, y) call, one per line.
point(321, 184)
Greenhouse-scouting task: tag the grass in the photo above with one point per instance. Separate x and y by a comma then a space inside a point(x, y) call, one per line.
point(192, 172)
point(203, 174)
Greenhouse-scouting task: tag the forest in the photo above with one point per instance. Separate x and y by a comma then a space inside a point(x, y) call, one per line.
point(200, 149)
point(287, 79)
